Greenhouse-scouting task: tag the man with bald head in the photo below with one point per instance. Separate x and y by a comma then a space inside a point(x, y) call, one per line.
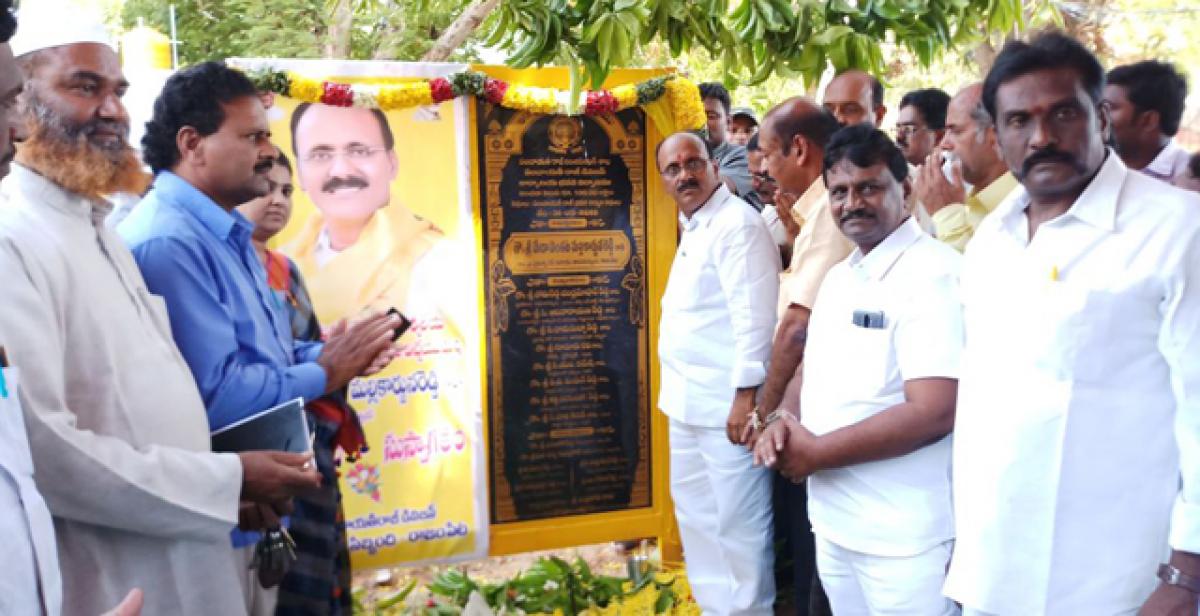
point(855, 97)
point(715, 339)
point(971, 142)
point(792, 140)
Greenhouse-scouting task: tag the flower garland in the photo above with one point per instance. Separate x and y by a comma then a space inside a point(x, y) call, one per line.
point(681, 96)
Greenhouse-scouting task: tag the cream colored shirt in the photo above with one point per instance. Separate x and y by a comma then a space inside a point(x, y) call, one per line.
point(819, 245)
point(956, 223)
point(1077, 438)
point(116, 426)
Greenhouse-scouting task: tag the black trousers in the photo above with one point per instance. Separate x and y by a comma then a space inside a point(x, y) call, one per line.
point(797, 554)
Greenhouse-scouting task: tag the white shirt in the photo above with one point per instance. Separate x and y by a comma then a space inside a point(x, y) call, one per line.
point(1079, 402)
point(779, 233)
point(31, 583)
point(1170, 160)
point(117, 430)
point(900, 506)
point(718, 311)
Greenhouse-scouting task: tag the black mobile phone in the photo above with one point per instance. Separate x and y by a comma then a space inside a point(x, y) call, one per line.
point(405, 323)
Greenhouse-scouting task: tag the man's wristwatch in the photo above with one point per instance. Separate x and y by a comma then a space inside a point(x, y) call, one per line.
point(1170, 575)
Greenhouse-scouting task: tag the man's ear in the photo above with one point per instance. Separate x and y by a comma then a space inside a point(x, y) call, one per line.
point(1150, 121)
point(880, 112)
point(190, 144)
point(1105, 122)
point(393, 164)
point(802, 148)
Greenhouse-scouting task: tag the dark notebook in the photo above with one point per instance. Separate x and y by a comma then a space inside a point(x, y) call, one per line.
point(279, 428)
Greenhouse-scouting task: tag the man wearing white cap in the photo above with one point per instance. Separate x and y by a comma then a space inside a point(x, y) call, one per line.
point(116, 427)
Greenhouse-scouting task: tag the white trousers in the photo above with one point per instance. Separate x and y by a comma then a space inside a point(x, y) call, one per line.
point(723, 507)
point(867, 585)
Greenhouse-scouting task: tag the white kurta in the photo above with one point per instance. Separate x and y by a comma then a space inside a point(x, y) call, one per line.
point(1077, 439)
point(117, 429)
point(31, 583)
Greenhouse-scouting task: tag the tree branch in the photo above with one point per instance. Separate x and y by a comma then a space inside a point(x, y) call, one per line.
point(457, 33)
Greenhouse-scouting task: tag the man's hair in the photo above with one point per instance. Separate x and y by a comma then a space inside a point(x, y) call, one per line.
point(389, 141)
point(983, 119)
point(931, 103)
point(8, 21)
point(1050, 50)
point(283, 161)
point(865, 146)
point(1194, 165)
point(752, 144)
point(715, 90)
point(1154, 86)
point(815, 126)
point(192, 97)
point(708, 149)
point(876, 86)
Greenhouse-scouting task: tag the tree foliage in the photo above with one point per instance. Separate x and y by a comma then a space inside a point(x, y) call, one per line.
point(353, 29)
point(752, 39)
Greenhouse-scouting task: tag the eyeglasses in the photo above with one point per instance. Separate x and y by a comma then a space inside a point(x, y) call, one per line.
point(353, 153)
point(903, 130)
point(692, 165)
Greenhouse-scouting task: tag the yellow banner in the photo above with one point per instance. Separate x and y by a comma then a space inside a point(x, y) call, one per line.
point(380, 222)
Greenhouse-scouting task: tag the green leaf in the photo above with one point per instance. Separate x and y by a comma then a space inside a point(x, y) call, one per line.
point(827, 36)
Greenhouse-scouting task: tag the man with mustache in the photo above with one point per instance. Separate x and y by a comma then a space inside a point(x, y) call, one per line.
point(363, 249)
point(717, 317)
point(878, 397)
point(971, 141)
point(1077, 437)
point(120, 446)
point(208, 145)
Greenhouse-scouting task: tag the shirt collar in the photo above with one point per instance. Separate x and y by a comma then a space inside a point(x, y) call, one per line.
point(222, 223)
point(1096, 206)
point(812, 199)
point(1163, 165)
point(991, 196)
point(877, 263)
point(704, 214)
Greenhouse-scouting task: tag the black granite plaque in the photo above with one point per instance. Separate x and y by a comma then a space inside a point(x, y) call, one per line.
point(565, 252)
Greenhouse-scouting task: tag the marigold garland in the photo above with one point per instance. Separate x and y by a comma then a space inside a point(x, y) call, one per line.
point(681, 95)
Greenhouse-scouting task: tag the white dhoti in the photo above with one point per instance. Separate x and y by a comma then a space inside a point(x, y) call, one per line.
point(859, 584)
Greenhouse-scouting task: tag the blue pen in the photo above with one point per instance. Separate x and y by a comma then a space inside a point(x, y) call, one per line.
point(3, 385)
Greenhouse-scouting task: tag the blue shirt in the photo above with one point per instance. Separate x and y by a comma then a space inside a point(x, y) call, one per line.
point(224, 317)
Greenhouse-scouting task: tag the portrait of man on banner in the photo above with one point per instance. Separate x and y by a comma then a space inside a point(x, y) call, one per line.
point(363, 248)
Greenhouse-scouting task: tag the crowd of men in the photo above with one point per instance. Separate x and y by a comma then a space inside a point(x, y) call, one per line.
point(969, 355)
point(956, 370)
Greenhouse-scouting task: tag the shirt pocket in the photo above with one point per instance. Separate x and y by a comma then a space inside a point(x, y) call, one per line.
point(867, 358)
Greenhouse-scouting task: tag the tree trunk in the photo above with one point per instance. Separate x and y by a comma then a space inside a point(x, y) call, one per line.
point(341, 21)
point(457, 33)
point(984, 54)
